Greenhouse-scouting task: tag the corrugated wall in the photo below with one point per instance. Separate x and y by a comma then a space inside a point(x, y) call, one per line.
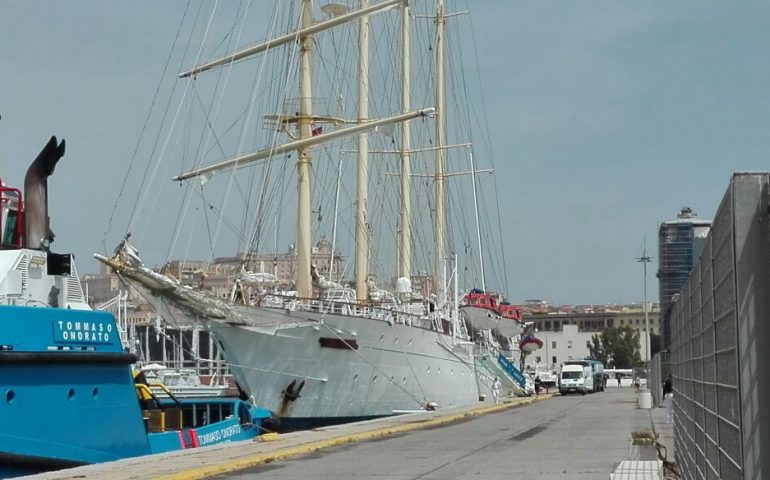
point(719, 349)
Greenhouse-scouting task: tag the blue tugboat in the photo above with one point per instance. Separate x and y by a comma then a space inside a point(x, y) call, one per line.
point(67, 393)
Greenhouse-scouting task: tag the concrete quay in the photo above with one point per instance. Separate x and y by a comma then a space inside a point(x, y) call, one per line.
point(573, 437)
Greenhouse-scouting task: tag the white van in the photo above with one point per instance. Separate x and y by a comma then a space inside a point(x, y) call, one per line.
point(575, 378)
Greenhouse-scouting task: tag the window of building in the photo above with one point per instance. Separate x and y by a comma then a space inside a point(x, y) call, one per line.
point(553, 344)
point(569, 343)
point(548, 325)
point(611, 322)
point(537, 359)
point(553, 360)
point(621, 322)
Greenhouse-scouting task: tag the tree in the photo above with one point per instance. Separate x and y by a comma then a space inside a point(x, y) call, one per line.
point(616, 347)
point(655, 344)
point(597, 350)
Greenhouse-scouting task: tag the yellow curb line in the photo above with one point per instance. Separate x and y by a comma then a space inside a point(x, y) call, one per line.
point(268, 457)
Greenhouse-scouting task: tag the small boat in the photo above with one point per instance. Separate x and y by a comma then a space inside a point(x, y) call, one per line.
point(67, 395)
point(510, 323)
point(185, 383)
point(482, 311)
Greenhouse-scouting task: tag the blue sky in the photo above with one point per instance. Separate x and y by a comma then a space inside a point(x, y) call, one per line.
point(605, 119)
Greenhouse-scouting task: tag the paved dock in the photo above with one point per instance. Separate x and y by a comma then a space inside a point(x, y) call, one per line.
point(573, 437)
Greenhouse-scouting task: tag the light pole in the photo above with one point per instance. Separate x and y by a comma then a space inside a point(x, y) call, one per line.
point(644, 259)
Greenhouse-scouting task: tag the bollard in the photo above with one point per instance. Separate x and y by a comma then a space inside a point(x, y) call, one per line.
point(645, 399)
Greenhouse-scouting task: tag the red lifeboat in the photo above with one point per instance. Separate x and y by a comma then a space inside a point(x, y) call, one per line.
point(481, 299)
point(509, 311)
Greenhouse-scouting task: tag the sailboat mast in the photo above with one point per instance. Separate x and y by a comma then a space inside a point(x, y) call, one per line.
point(303, 283)
point(336, 216)
point(439, 220)
point(405, 220)
point(478, 225)
point(362, 195)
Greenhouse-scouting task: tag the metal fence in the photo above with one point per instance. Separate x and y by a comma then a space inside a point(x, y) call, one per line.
point(721, 343)
point(659, 368)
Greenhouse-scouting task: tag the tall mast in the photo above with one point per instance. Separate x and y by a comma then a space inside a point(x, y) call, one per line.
point(336, 216)
point(405, 220)
point(439, 220)
point(478, 225)
point(304, 120)
point(303, 283)
point(362, 196)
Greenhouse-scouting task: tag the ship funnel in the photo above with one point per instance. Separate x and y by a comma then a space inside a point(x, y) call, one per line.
point(38, 234)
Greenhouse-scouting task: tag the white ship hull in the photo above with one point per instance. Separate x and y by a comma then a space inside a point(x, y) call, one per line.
point(395, 368)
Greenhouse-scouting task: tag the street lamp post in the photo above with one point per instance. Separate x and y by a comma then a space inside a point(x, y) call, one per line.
point(644, 259)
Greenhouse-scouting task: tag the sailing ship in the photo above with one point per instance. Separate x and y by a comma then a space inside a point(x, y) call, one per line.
point(323, 353)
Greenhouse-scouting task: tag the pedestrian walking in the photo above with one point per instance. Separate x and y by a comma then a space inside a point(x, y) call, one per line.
point(668, 399)
point(496, 389)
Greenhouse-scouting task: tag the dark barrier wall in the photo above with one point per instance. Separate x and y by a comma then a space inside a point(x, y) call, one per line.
point(721, 343)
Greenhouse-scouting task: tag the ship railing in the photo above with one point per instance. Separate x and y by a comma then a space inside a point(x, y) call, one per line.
point(387, 312)
point(15, 300)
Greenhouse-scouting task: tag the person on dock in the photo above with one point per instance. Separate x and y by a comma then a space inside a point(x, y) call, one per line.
point(668, 399)
point(667, 387)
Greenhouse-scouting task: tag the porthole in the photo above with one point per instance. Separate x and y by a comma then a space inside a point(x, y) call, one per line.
point(382, 338)
point(355, 377)
point(428, 368)
point(374, 379)
point(410, 341)
point(95, 393)
point(396, 339)
point(438, 371)
point(71, 394)
point(403, 381)
point(10, 396)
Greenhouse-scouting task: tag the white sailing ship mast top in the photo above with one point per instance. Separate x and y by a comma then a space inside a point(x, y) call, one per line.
point(362, 195)
point(439, 219)
point(405, 217)
point(306, 140)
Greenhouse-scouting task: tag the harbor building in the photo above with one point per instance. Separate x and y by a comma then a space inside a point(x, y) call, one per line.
point(680, 243)
point(565, 330)
point(283, 265)
point(568, 343)
point(595, 319)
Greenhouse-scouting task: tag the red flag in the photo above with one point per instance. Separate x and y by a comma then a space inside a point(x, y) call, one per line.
point(317, 131)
